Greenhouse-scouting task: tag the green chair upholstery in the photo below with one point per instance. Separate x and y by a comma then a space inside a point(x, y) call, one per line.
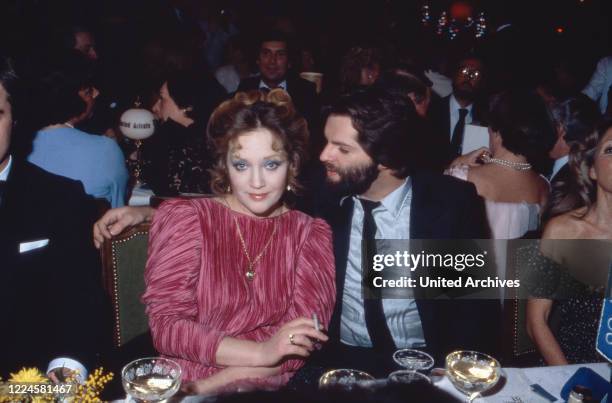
point(124, 259)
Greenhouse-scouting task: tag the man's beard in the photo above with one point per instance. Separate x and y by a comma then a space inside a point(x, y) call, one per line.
point(354, 180)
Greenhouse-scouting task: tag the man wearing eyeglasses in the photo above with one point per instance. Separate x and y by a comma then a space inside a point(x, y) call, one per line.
point(465, 105)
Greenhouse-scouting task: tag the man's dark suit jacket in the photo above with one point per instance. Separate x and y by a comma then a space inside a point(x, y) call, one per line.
point(559, 186)
point(303, 92)
point(442, 207)
point(562, 176)
point(53, 304)
point(438, 149)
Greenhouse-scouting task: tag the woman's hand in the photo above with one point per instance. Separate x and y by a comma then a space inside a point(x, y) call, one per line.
point(471, 158)
point(116, 220)
point(295, 338)
point(538, 311)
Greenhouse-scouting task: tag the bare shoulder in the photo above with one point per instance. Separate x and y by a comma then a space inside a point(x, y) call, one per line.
point(566, 226)
point(481, 177)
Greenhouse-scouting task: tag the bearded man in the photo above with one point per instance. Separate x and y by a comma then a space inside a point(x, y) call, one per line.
point(370, 135)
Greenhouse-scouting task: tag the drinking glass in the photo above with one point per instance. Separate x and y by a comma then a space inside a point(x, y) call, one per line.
point(152, 379)
point(408, 376)
point(472, 372)
point(344, 378)
point(413, 360)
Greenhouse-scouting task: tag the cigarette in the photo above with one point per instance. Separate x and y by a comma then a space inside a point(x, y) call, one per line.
point(316, 321)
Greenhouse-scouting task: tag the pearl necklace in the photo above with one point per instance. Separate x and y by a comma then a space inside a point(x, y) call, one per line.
point(518, 166)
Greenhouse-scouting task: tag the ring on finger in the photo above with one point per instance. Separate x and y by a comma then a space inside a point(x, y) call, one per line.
point(291, 337)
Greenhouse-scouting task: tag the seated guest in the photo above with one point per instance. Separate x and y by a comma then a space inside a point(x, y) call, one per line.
point(575, 118)
point(176, 156)
point(64, 96)
point(232, 282)
point(466, 105)
point(81, 39)
point(369, 134)
point(237, 67)
point(275, 72)
point(361, 67)
point(598, 88)
point(582, 213)
point(371, 164)
point(520, 137)
point(408, 81)
point(53, 305)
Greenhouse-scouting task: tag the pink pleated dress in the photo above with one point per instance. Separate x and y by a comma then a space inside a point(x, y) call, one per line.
point(197, 291)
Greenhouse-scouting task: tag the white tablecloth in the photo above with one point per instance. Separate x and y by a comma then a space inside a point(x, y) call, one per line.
point(518, 380)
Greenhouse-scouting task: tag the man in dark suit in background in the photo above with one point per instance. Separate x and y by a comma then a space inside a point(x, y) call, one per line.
point(273, 61)
point(576, 118)
point(53, 304)
point(367, 158)
point(465, 105)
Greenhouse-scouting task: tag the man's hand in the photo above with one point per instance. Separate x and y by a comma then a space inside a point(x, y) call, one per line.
point(116, 220)
point(472, 158)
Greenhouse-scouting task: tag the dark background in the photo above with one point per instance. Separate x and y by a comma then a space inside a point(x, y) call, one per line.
point(571, 30)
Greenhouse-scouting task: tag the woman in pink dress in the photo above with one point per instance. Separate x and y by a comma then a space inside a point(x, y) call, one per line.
point(233, 281)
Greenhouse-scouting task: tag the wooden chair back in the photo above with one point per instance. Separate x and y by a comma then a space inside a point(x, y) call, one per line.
point(123, 259)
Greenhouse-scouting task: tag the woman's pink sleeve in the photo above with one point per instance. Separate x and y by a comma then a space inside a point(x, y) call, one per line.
point(315, 283)
point(171, 277)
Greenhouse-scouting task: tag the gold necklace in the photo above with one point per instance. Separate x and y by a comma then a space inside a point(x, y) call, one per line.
point(250, 271)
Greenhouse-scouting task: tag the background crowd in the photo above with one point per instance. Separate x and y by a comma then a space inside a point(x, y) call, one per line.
point(402, 85)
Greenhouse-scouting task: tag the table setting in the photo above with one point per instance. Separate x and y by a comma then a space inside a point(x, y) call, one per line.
point(469, 376)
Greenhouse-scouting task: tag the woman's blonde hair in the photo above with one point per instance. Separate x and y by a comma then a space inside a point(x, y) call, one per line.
point(248, 111)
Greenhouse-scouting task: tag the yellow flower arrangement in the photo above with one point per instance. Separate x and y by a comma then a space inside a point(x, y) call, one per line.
point(29, 375)
point(88, 392)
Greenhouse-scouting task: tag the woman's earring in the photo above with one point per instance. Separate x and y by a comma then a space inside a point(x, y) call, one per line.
point(228, 189)
point(289, 188)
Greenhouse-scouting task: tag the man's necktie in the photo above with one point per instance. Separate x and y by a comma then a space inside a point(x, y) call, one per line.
point(373, 307)
point(457, 140)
